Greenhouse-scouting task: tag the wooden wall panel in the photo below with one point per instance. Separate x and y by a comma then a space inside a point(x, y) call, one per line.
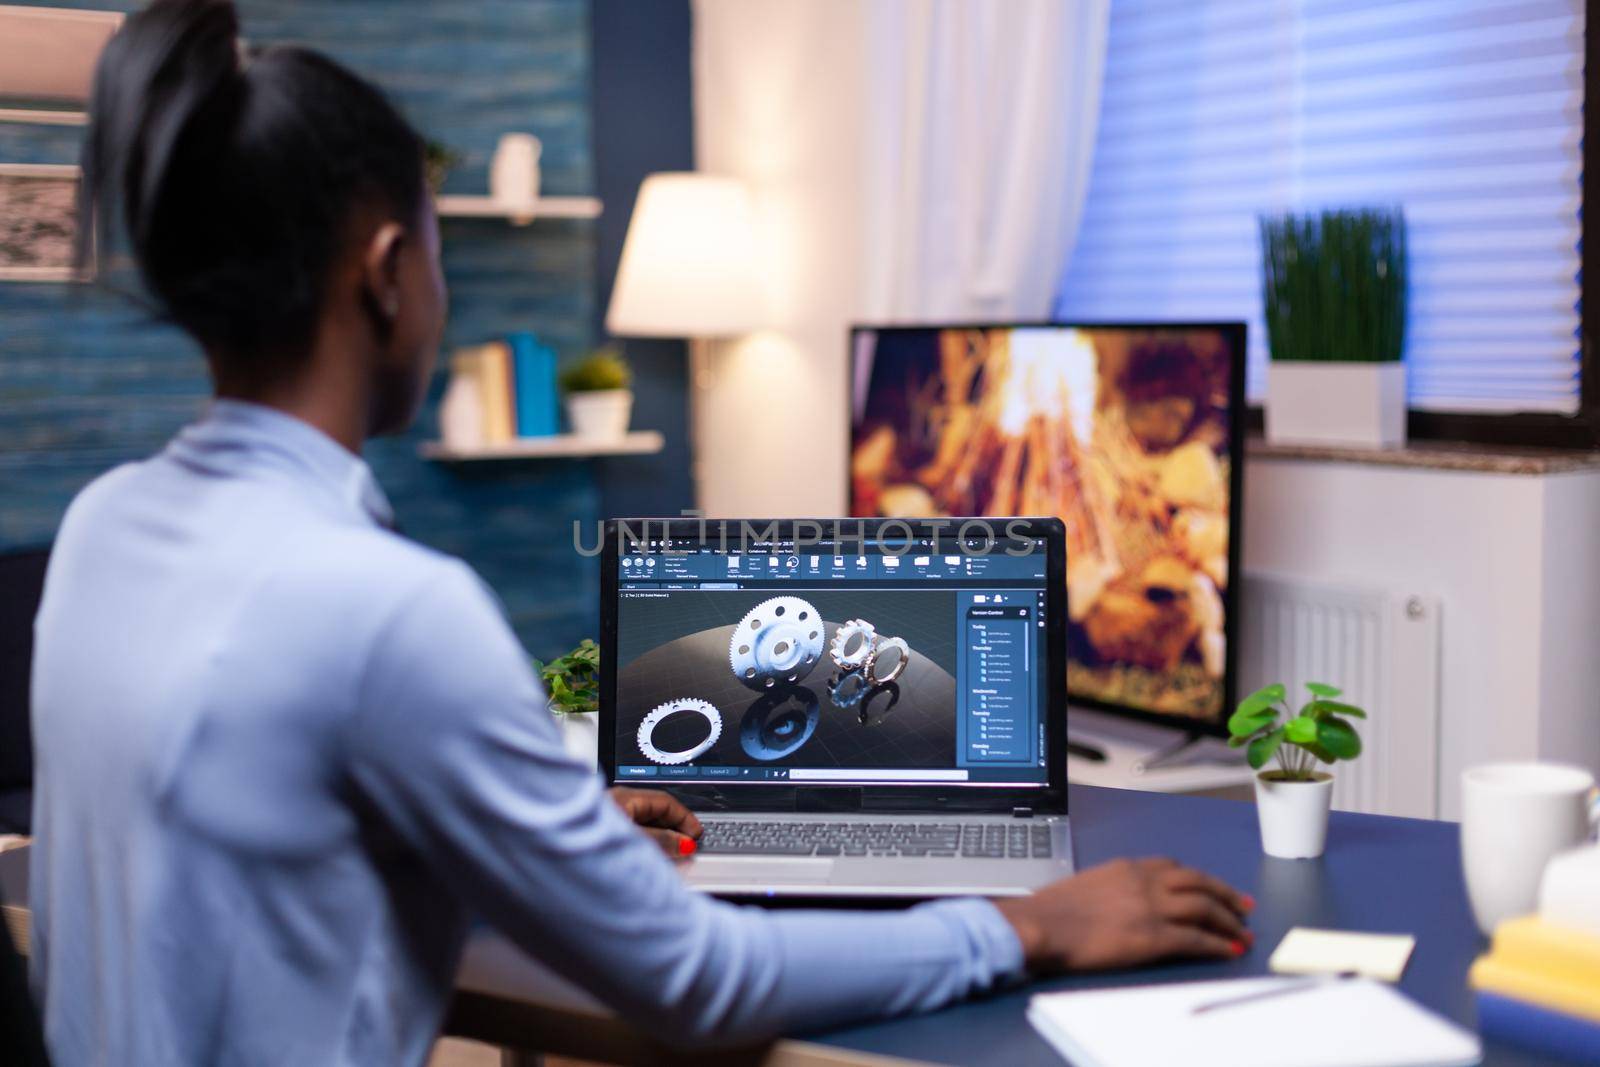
point(87, 380)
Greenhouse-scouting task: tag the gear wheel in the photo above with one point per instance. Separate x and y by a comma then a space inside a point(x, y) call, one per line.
point(852, 644)
point(647, 730)
point(900, 661)
point(778, 640)
point(847, 688)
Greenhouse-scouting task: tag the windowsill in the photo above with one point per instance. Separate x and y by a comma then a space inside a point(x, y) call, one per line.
point(1436, 455)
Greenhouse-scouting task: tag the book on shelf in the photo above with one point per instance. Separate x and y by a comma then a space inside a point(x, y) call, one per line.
point(533, 370)
point(516, 384)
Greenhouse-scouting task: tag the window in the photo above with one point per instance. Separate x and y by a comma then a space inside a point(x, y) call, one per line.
point(1467, 113)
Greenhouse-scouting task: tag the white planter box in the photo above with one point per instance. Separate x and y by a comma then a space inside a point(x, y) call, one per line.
point(1354, 404)
point(601, 414)
point(1294, 816)
point(580, 735)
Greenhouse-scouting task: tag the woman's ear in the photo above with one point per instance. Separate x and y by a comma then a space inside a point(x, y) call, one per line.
point(380, 274)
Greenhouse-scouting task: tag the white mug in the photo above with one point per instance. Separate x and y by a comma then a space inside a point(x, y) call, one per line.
point(1514, 818)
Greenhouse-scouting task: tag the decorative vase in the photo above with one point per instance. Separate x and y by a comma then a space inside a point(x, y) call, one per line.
point(1360, 405)
point(1294, 815)
point(603, 413)
point(580, 735)
point(514, 169)
point(461, 412)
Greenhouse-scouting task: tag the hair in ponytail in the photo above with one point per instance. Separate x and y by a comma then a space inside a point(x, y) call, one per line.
point(233, 175)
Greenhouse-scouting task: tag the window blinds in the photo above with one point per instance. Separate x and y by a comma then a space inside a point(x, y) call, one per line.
point(1467, 113)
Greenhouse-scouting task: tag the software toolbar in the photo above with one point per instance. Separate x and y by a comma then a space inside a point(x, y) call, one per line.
point(715, 567)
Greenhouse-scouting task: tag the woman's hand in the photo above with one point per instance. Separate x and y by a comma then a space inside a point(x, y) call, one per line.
point(1129, 912)
point(662, 816)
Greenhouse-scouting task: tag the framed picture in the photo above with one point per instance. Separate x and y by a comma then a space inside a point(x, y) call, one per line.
point(47, 61)
point(38, 222)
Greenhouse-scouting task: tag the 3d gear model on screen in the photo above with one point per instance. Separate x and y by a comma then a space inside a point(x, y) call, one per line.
point(852, 644)
point(778, 641)
point(874, 663)
point(647, 730)
point(857, 647)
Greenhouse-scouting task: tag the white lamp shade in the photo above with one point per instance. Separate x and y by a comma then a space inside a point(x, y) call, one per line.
point(689, 265)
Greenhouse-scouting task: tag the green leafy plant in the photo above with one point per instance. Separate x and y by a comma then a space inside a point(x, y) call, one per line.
point(602, 369)
point(438, 161)
point(1335, 285)
point(573, 680)
point(1321, 731)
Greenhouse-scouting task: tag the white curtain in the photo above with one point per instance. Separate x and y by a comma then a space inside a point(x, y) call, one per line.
point(911, 160)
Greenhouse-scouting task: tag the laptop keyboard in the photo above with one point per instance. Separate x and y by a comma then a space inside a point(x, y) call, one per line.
point(970, 840)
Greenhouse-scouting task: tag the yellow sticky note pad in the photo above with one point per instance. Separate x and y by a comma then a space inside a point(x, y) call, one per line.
point(1304, 950)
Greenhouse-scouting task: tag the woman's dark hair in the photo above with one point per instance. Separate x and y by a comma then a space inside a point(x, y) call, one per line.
point(234, 173)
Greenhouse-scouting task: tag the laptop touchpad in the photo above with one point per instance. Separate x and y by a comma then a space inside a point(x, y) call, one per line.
point(760, 869)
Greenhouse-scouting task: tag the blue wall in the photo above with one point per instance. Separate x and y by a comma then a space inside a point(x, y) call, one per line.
point(643, 122)
point(87, 382)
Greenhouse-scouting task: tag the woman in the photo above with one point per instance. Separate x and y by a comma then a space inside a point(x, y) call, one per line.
point(283, 752)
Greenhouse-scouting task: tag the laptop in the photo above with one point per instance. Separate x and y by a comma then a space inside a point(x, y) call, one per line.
point(852, 707)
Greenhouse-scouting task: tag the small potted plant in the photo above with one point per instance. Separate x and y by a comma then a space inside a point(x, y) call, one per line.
point(573, 684)
point(1334, 288)
point(438, 160)
point(599, 402)
point(1292, 801)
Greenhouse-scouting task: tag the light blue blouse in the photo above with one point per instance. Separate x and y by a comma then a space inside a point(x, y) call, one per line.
point(283, 753)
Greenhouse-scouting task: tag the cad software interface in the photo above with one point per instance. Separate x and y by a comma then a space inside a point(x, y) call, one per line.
point(912, 662)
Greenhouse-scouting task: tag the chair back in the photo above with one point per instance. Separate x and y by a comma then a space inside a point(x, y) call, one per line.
point(21, 586)
point(21, 1037)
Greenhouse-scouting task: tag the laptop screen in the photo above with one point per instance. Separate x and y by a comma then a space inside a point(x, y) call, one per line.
point(903, 656)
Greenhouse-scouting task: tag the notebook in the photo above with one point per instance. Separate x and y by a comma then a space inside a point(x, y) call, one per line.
point(1155, 1026)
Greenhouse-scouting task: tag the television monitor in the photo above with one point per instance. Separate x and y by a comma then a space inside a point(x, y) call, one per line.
point(1131, 434)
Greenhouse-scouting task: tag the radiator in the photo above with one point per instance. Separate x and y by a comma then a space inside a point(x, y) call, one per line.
point(1382, 648)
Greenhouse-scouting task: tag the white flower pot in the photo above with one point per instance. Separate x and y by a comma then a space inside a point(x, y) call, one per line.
point(580, 735)
point(1294, 816)
point(603, 413)
point(1352, 404)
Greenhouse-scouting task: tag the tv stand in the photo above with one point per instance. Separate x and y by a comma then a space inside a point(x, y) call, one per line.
point(1153, 757)
point(1086, 751)
point(1168, 755)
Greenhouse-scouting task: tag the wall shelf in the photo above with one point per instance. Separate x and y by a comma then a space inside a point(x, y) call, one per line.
point(44, 116)
point(555, 446)
point(520, 214)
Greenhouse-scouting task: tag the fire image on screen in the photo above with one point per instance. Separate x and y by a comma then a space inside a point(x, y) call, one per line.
point(1122, 432)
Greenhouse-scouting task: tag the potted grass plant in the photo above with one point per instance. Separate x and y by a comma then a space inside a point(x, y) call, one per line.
point(1334, 288)
point(572, 682)
point(599, 400)
point(1293, 798)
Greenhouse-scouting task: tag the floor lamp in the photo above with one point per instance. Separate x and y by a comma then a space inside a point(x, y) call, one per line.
point(689, 269)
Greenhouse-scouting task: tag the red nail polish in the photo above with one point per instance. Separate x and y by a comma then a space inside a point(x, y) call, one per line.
point(686, 846)
point(1238, 948)
point(1249, 902)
